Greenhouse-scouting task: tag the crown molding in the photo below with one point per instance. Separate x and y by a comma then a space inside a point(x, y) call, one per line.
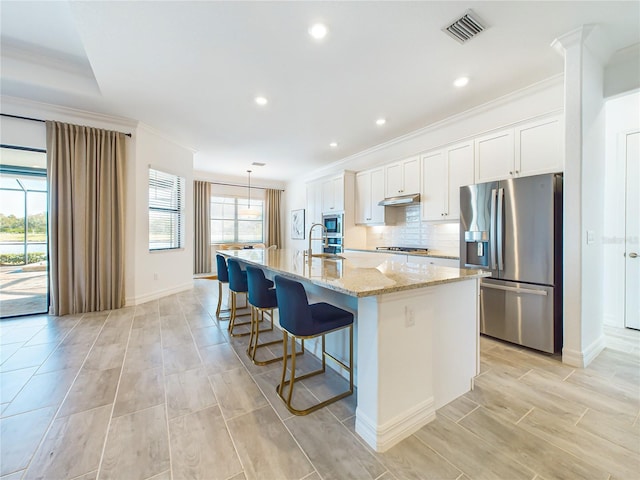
point(30, 108)
point(482, 108)
point(165, 136)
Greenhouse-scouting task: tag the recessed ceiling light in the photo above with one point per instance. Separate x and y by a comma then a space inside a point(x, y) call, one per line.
point(261, 101)
point(259, 164)
point(333, 144)
point(381, 121)
point(318, 31)
point(461, 82)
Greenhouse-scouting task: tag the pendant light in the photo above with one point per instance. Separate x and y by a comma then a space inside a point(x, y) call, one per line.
point(248, 210)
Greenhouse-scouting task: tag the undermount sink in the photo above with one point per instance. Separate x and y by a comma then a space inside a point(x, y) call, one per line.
point(328, 256)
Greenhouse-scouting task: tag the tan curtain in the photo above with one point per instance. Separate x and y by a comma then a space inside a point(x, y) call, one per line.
point(273, 218)
point(202, 235)
point(85, 168)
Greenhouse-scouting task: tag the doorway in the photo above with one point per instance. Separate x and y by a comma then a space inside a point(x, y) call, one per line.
point(23, 232)
point(632, 232)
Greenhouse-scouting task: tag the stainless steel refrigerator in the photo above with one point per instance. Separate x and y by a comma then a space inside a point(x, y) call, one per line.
point(514, 229)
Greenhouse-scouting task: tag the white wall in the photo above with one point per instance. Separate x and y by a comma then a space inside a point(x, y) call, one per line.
point(593, 155)
point(539, 99)
point(295, 198)
point(237, 186)
point(622, 116)
point(622, 73)
point(174, 269)
point(167, 271)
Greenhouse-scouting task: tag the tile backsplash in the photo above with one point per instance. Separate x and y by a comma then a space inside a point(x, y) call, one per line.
point(409, 231)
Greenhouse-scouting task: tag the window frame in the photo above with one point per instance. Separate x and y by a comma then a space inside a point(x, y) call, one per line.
point(175, 209)
point(237, 206)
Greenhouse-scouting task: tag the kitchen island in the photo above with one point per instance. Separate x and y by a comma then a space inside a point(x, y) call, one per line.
point(417, 332)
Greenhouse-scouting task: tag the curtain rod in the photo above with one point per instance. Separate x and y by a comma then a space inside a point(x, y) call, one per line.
point(241, 185)
point(37, 120)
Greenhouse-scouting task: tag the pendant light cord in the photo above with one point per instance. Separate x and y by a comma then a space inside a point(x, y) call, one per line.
point(249, 191)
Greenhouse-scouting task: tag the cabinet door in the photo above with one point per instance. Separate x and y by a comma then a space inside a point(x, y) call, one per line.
point(314, 204)
point(494, 156)
point(394, 180)
point(434, 185)
point(377, 194)
point(338, 193)
point(459, 173)
point(540, 147)
point(438, 261)
point(363, 197)
point(328, 202)
point(411, 176)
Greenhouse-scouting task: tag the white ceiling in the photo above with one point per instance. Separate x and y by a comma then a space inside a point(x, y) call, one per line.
point(192, 69)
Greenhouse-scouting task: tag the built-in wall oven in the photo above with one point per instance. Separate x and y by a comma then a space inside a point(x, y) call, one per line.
point(334, 232)
point(333, 225)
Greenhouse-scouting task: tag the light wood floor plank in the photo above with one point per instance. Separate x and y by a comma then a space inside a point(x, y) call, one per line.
point(470, 453)
point(139, 390)
point(188, 392)
point(265, 447)
point(72, 447)
point(201, 446)
point(529, 450)
point(343, 457)
point(137, 446)
point(20, 436)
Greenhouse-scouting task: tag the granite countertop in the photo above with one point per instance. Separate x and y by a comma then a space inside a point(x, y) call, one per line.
point(357, 275)
point(430, 253)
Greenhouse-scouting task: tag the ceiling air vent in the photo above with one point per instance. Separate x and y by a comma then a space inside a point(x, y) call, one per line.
point(464, 28)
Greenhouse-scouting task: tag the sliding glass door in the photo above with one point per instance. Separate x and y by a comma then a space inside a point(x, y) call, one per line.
point(23, 232)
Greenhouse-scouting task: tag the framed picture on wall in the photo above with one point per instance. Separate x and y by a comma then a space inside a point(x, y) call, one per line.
point(297, 224)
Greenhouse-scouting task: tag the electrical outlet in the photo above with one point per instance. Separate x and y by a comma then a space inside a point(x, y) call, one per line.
point(155, 276)
point(409, 317)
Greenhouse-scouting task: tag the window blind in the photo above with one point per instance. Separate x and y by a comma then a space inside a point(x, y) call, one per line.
point(166, 210)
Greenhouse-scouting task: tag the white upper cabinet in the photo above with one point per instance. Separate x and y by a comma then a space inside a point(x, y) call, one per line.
point(494, 156)
point(333, 195)
point(527, 149)
point(314, 204)
point(403, 178)
point(444, 172)
point(540, 147)
point(434, 186)
point(460, 172)
point(370, 189)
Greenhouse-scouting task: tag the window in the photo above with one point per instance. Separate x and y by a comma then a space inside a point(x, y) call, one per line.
point(233, 222)
point(166, 210)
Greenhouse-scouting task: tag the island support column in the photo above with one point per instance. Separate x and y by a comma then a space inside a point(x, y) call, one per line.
point(417, 351)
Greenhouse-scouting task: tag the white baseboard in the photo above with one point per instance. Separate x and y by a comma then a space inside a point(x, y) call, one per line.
point(381, 438)
point(582, 359)
point(130, 301)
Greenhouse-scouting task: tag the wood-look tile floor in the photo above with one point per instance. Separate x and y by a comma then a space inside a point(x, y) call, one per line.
point(160, 391)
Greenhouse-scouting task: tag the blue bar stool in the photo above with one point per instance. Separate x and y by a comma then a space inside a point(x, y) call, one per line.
point(237, 284)
point(262, 298)
point(301, 320)
point(223, 277)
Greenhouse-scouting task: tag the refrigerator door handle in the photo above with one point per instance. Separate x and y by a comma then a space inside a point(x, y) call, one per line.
point(499, 227)
point(515, 289)
point(492, 230)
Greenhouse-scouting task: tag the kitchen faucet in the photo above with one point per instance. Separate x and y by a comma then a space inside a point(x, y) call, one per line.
point(325, 238)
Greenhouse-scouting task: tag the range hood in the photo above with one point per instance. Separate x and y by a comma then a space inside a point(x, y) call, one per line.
point(400, 201)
